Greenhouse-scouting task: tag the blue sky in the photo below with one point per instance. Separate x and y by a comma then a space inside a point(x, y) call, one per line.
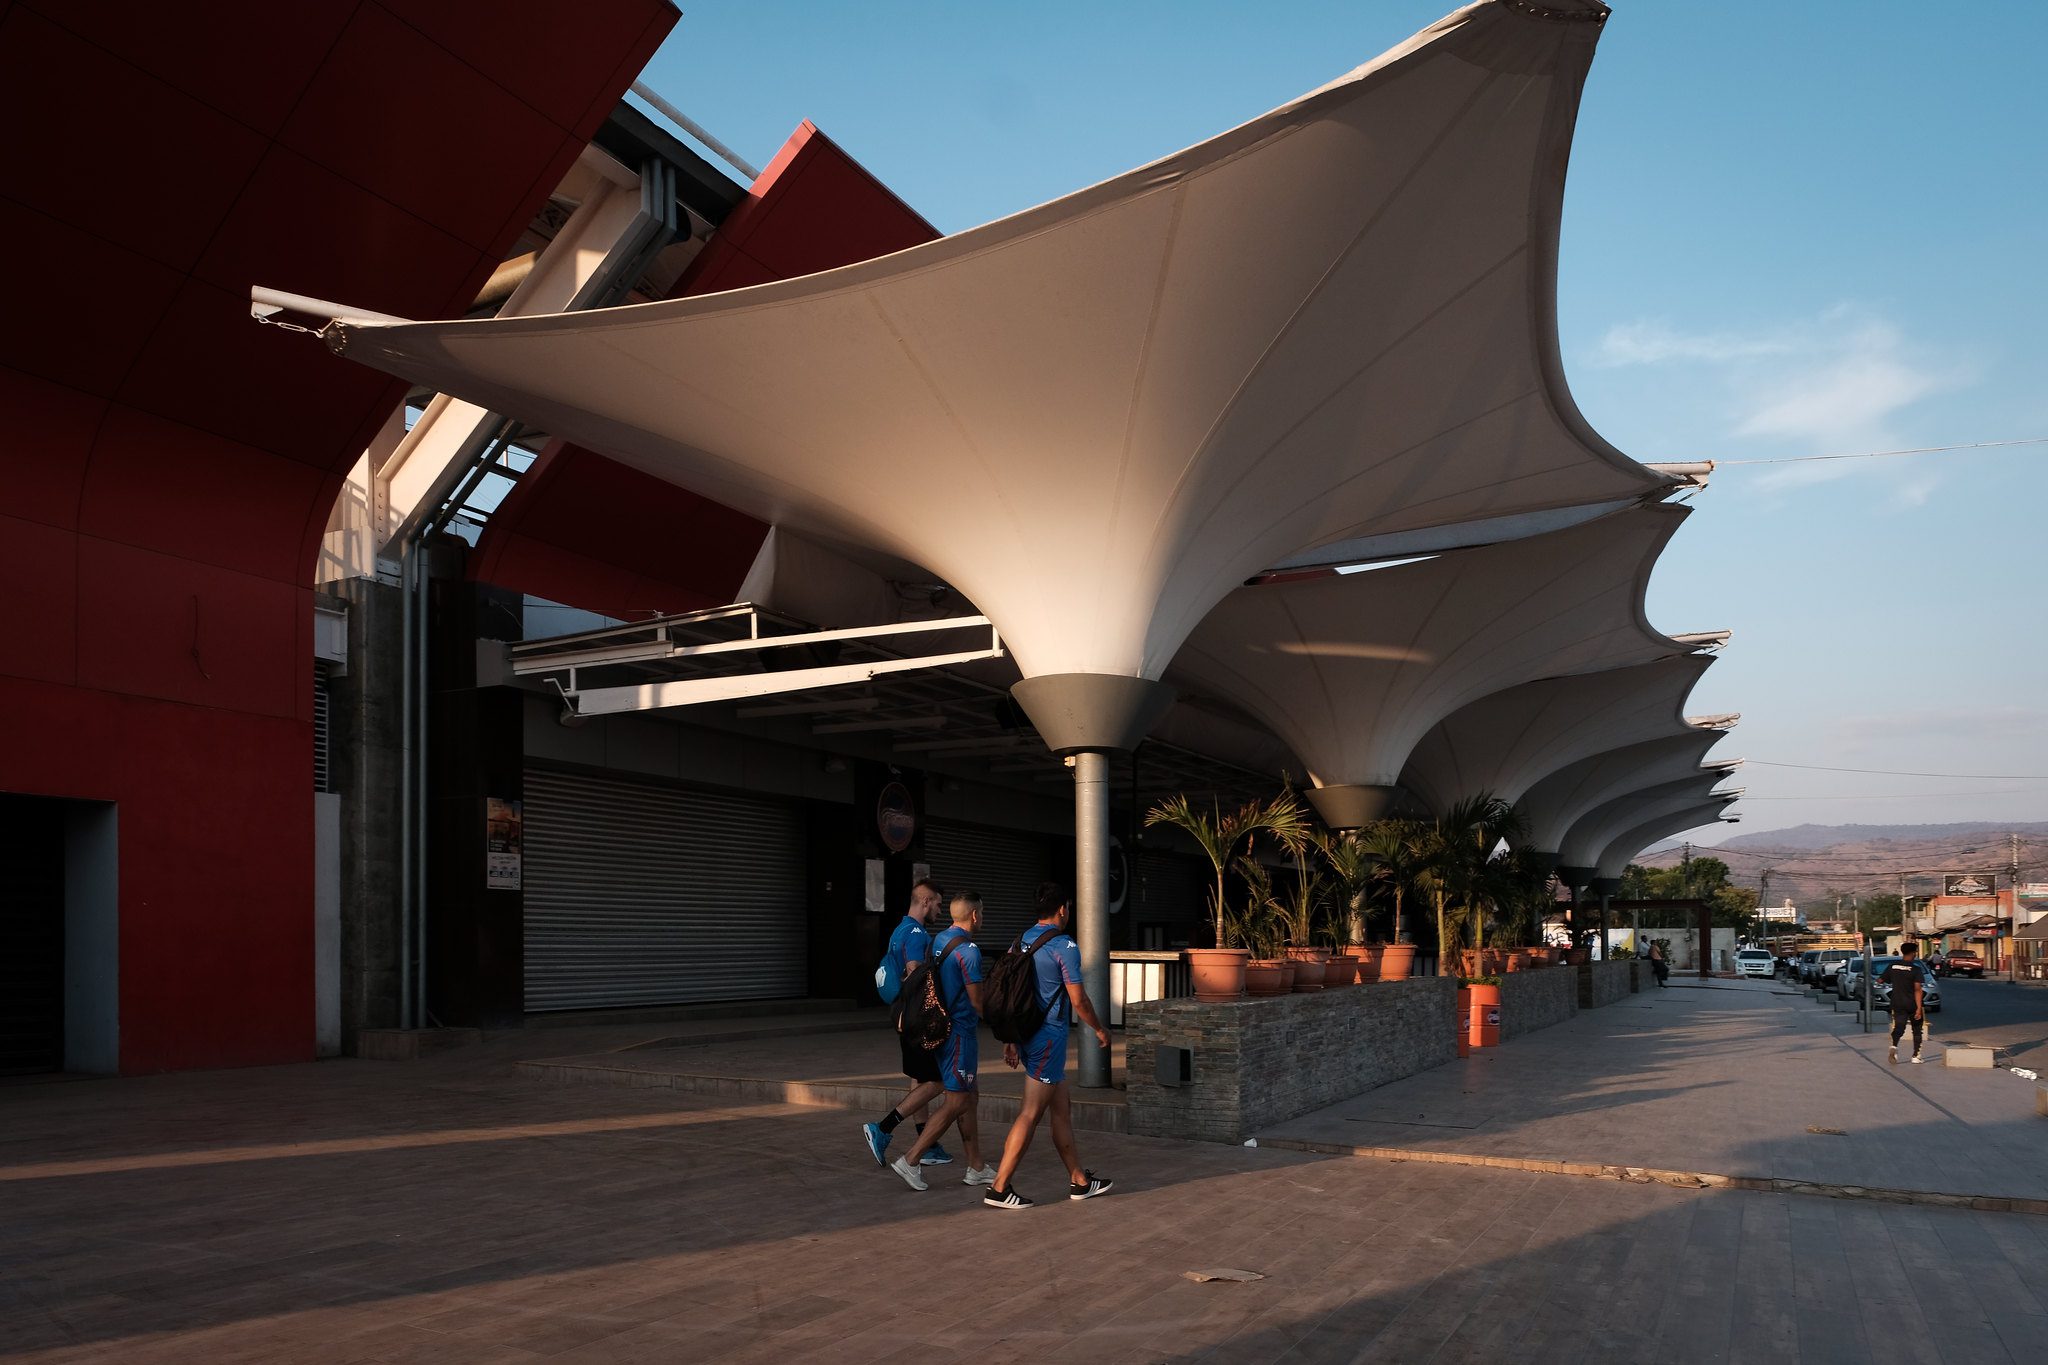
point(1789, 230)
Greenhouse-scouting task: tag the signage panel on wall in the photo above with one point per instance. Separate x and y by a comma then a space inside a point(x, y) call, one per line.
point(504, 839)
point(1967, 884)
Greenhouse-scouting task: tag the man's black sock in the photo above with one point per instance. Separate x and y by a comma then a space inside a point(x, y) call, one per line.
point(889, 1121)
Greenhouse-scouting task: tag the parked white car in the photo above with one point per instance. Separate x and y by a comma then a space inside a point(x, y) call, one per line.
point(1755, 962)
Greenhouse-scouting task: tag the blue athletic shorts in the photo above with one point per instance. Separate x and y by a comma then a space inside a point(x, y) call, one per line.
point(958, 1060)
point(1045, 1056)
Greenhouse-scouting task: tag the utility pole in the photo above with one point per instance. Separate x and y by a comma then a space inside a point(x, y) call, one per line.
point(2013, 924)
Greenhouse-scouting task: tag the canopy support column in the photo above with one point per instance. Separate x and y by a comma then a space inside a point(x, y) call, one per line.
point(1091, 901)
point(1087, 717)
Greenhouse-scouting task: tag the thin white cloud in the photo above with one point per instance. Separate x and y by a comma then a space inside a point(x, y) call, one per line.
point(1825, 385)
point(1653, 343)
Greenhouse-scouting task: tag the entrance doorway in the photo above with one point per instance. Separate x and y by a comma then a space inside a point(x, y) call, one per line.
point(59, 969)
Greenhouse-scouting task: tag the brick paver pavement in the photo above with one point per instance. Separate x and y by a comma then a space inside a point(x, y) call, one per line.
point(1729, 1079)
point(451, 1210)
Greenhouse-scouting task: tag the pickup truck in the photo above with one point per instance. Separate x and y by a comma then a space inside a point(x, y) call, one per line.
point(1963, 962)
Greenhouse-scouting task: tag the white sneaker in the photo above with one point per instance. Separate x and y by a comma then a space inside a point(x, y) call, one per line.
point(985, 1176)
point(1917, 1059)
point(1892, 1055)
point(909, 1173)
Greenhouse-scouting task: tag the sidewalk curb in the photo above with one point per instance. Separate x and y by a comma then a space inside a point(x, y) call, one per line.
point(1690, 1180)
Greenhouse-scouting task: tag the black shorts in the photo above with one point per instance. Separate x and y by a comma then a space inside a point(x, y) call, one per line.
point(919, 1063)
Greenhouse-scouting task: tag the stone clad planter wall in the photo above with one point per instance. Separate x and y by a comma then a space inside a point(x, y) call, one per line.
point(1537, 999)
point(1603, 983)
point(1261, 1062)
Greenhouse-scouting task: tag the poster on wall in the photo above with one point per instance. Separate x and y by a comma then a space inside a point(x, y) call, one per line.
point(503, 839)
point(1967, 884)
point(876, 892)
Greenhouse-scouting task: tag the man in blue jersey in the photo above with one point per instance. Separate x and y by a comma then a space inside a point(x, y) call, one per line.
point(1044, 1057)
point(907, 946)
point(960, 989)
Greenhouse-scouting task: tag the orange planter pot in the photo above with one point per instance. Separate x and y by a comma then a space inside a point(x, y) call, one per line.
point(1368, 959)
point(1218, 973)
point(1339, 970)
point(1396, 961)
point(1461, 1027)
point(1308, 964)
point(1265, 979)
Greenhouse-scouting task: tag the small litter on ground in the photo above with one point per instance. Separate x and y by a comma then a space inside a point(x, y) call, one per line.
point(2025, 1074)
point(1830, 1132)
point(1233, 1276)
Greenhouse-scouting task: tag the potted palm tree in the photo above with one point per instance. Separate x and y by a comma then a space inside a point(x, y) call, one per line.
point(1394, 854)
point(1219, 972)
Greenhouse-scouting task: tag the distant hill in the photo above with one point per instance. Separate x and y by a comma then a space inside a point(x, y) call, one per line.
point(1813, 864)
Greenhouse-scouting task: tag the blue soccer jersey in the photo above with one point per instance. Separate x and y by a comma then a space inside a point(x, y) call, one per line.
point(955, 972)
point(1058, 965)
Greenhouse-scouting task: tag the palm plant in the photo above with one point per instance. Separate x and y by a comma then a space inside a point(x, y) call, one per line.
point(1392, 852)
point(1461, 844)
point(1219, 834)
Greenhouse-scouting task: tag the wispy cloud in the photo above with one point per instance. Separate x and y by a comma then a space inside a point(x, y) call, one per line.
point(1652, 343)
point(1831, 384)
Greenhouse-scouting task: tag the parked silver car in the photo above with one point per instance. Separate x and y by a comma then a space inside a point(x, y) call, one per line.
point(1821, 970)
point(1881, 994)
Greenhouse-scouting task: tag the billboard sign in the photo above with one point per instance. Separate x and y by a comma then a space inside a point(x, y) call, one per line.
point(1968, 884)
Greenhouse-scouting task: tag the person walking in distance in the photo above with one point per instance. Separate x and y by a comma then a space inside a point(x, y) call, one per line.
point(908, 946)
point(1908, 1004)
point(1658, 966)
point(959, 1059)
point(1044, 1055)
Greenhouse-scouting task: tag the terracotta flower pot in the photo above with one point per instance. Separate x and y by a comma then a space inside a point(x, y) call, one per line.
point(1218, 973)
point(1518, 961)
point(1496, 961)
point(1308, 968)
point(1340, 970)
point(1287, 975)
point(1265, 978)
point(1396, 961)
point(1368, 959)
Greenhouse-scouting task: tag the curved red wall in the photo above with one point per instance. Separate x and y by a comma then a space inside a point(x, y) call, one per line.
point(169, 464)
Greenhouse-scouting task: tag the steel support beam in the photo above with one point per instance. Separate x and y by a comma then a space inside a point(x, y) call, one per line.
point(1091, 901)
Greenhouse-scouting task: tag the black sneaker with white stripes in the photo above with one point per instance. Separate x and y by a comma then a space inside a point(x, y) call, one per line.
point(1005, 1199)
point(1096, 1185)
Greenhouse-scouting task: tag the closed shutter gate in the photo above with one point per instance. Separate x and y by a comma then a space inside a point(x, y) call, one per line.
point(638, 894)
point(1003, 866)
point(1172, 892)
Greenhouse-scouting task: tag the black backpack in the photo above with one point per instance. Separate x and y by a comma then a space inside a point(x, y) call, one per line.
point(921, 1014)
point(1009, 997)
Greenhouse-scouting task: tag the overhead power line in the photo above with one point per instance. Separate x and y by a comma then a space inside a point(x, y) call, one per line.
point(1897, 772)
point(1889, 454)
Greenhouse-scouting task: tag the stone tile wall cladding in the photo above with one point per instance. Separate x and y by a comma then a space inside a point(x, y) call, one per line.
point(1261, 1062)
point(1603, 983)
point(1537, 999)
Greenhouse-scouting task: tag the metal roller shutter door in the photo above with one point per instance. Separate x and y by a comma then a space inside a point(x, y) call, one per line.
point(638, 894)
point(1005, 867)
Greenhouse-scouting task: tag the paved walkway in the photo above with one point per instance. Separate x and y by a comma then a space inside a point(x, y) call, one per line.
point(1740, 1079)
point(451, 1210)
point(857, 1068)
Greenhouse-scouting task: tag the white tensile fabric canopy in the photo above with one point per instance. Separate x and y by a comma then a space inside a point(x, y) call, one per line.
point(1352, 670)
point(1622, 850)
point(1503, 744)
point(1551, 807)
point(1591, 834)
point(1099, 416)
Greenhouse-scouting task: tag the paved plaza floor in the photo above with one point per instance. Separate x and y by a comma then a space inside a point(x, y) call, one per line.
point(1746, 1079)
point(458, 1209)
